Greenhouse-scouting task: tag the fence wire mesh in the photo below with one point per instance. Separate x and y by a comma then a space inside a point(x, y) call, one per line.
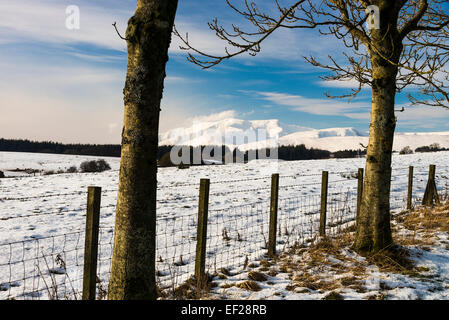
point(175, 250)
point(235, 236)
point(44, 267)
point(51, 267)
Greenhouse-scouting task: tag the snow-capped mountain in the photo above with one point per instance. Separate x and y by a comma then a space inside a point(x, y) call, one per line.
point(256, 134)
point(332, 139)
point(348, 138)
point(232, 132)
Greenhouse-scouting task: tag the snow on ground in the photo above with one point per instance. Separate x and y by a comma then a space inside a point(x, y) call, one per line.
point(331, 270)
point(375, 284)
point(43, 217)
point(10, 161)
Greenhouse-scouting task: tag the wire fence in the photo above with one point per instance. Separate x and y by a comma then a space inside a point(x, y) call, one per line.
point(33, 268)
point(51, 266)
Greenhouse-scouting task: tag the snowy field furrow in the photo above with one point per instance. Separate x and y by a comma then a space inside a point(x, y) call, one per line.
point(42, 218)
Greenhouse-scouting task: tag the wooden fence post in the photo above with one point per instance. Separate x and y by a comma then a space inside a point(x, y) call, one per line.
point(359, 190)
point(201, 236)
point(324, 189)
point(91, 243)
point(431, 192)
point(273, 215)
point(410, 188)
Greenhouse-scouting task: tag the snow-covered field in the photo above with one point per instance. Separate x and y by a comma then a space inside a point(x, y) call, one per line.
point(42, 218)
point(344, 275)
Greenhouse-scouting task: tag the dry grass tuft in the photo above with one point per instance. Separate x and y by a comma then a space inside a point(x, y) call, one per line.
point(325, 248)
point(333, 296)
point(315, 283)
point(272, 272)
point(265, 263)
point(395, 259)
point(348, 281)
point(249, 285)
point(427, 219)
point(257, 276)
point(379, 296)
point(192, 289)
point(225, 271)
point(226, 285)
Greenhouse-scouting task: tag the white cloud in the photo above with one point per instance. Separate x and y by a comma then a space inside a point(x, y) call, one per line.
point(359, 116)
point(214, 117)
point(346, 84)
point(44, 21)
point(422, 117)
point(313, 106)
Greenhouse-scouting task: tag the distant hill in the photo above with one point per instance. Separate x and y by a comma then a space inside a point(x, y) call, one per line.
point(349, 138)
point(233, 133)
point(222, 131)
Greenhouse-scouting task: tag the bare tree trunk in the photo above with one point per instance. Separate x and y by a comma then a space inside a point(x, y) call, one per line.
point(373, 222)
point(133, 262)
point(373, 231)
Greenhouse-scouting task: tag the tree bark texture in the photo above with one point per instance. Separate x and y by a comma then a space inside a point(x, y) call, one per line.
point(373, 231)
point(133, 264)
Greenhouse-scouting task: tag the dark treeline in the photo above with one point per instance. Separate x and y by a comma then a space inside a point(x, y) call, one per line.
point(107, 150)
point(432, 148)
point(194, 156)
point(349, 153)
point(300, 152)
point(287, 153)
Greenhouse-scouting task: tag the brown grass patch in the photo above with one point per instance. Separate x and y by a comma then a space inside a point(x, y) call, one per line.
point(313, 282)
point(249, 285)
point(380, 296)
point(226, 285)
point(348, 281)
point(320, 251)
point(225, 272)
point(395, 259)
point(192, 289)
point(272, 272)
point(265, 263)
point(427, 219)
point(333, 296)
point(257, 276)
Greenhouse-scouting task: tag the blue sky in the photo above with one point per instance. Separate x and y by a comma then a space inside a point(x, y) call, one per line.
point(66, 85)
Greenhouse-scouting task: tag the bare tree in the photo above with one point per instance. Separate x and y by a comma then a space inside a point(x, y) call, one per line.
point(430, 49)
point(408, 47)
point(148, 38)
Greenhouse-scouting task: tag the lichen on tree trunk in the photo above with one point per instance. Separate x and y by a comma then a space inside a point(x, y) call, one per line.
point(133, 263)
point(373, 232)
point(373, 220)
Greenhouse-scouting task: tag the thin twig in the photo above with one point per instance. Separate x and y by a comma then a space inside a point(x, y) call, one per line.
point(115, 26)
